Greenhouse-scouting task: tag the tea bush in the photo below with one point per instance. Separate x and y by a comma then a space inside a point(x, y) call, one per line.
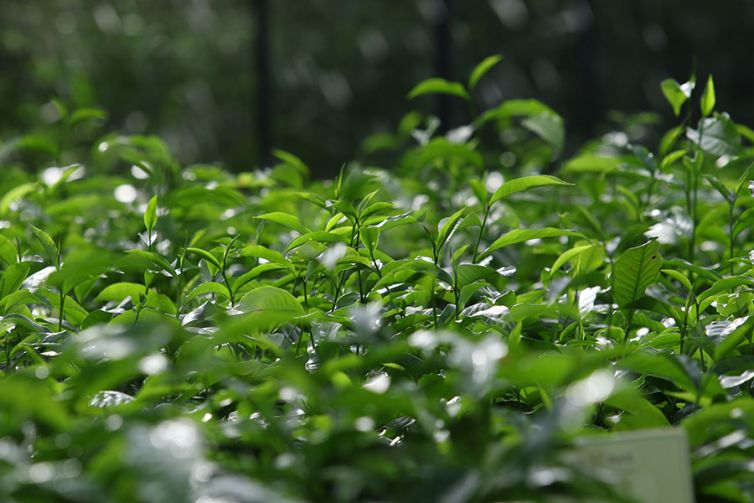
point(440, 330)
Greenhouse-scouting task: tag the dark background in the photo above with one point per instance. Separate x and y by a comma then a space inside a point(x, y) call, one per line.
point(221, 80)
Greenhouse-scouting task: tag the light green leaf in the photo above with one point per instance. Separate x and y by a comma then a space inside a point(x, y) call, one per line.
point(150, 215)
point(482, 68)
point(154, 260)
point(642, 411)
point(284, 219)
point(525, 183)
point(260, 251)
point(292, 160)
point(268, 306)
point(12, 278)
point(520, 235)
point(635, 270)
point(8, 251)
point(681, 278)
point(590, 163)
point(256, 272)
point(675, 95)
point(717, 136)
point(707, 103)
point(549, 127)
point(721, 188)
point(48, 245)
point(569, 255)
point(80, 266)
point(660, 365)
point(370, 236)
point(438, 86)
point(318, 236)
point(723, 285)
point(210, 287)
point(119, 291)
point(15, 194)
point(514, 108)
point(205, 255)
point(448, 225)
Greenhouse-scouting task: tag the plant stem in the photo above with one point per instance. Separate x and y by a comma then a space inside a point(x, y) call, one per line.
point(227, 285)
point(731, 242)
point(481, 231)
point(685, 327)
point(62, 305)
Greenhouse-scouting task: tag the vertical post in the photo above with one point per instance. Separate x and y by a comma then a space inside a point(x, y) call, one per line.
point(263, 98)
point(443, 57)
point(587, 56)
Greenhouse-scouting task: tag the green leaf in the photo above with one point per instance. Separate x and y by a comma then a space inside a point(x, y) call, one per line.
point(150, 215)
point(647, 303)
point(707, 103)
point(721, 188)
point(370, 236)
point(732, 337)
point(642, 411)
point(549, 127)
point(119, 291)
point(266, 307)
point(210, 287)
point(206, 256)
point(8, 251)
point(153, 259)
point(256, 272)
point(32, 401)
point(48, 245)
point(439, 86)
point(570, 255)
point(590, 163)
point(705, 425)
point(723, 285)
point(284, 219)
point(520, 235)
point(717, 136)
point(514, 108)
point(260, 251)
point(12, 278)
point(80, 266)
point(635, 270)
point(482, 68)
point(525, 183)
point(292, 160)
point(675, 94)
point(318, 236)
point(16, 193)
point(660, 365)
point(469, 273)
point(448, 225)
point(681, 278)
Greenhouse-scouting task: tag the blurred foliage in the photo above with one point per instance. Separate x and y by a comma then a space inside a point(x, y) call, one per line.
point(341, 69)
point(443, 329)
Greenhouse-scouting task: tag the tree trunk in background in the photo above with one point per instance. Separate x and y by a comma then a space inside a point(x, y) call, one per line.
point(444, 58)
point(263, 99)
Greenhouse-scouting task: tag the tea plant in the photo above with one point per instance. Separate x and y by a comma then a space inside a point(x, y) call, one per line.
point(437, 330)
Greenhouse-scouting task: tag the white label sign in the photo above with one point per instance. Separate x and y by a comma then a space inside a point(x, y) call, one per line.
point(650, 466)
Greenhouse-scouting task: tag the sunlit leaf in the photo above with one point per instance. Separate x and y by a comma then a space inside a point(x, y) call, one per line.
point(438, 86)
point(482, 68)
point(635, 270)
point(521, 184)
point(520, 235)
point(150, 214)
